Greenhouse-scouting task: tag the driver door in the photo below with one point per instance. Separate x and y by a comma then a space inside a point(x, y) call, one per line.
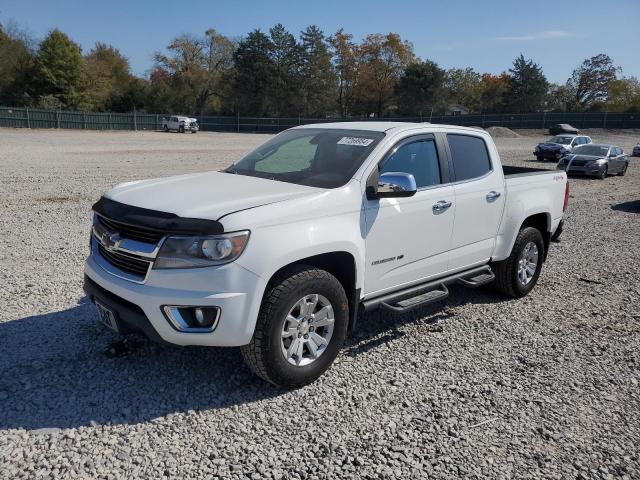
point(408, 239)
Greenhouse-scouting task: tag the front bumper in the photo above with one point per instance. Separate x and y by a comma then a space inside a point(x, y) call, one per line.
point(235, 290)
point(592, 170)
point(549, 155)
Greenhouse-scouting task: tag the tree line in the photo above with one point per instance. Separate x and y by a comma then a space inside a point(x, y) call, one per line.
point(277, 73)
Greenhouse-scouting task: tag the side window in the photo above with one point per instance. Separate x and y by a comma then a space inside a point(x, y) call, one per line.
point(419, 158)
point(583, 140)
point(469, 155)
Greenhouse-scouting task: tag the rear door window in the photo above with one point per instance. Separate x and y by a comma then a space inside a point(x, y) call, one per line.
point(469, 155)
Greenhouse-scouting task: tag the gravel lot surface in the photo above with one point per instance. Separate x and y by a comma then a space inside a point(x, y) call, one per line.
point(480, 387)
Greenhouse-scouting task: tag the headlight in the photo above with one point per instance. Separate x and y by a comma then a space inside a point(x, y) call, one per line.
point(192, 252)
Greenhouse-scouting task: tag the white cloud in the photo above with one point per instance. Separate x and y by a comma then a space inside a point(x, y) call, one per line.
point(535, 36)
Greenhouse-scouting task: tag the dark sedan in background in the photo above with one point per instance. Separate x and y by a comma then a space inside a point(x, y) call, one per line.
point(557, 147)
point(595, 160)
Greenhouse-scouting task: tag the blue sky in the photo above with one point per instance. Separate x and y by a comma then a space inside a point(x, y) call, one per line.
point(486, 35)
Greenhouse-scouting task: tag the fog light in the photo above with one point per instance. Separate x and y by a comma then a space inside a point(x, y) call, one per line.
point(192, 319)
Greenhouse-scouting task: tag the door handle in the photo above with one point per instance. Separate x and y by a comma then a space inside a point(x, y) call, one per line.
point(492, 195)
point(441, 205)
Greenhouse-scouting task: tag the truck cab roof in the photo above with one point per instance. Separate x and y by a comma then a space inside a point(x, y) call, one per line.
point(380, 126)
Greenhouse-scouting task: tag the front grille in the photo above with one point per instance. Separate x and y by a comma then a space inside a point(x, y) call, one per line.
point(578, 163)
point(126, 263)
point(134, 233)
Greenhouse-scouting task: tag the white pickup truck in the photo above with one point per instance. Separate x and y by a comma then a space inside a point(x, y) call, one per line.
point(283, 251)
point(180, 124)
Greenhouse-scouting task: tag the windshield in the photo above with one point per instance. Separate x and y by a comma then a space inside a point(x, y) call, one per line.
point(317, 157)
point(594, 150)
point(561, 140)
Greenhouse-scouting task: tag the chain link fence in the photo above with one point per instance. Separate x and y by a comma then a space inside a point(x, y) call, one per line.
point(38, 118)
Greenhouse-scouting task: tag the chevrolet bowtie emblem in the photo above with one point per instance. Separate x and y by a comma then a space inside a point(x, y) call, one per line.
point(110, 240)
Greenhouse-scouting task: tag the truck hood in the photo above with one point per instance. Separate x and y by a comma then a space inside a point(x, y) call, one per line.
point(207, 195)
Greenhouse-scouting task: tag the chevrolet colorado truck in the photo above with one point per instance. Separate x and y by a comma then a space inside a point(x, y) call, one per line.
point(283, 251)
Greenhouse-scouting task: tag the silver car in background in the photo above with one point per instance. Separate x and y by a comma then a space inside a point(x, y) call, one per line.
point(595, 159)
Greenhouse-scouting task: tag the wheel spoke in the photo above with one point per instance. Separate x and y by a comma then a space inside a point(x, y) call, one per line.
point(299, 352)
point(522, 275)
point(323, 317)
point(293, 348)
point(320, 341)
point(290, 332)
point(531, 268)
point(293, 320)
point(313, 347)
point(309, 304)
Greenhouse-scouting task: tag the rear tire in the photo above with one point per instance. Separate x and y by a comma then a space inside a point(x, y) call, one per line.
point(508, 272)
point(268, 353)
point(181, 129)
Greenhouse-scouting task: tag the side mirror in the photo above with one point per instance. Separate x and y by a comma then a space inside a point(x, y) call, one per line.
point(393, 185)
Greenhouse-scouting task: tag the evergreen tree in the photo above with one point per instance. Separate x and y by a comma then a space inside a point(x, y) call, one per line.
point(527, 88)
point(253, 70)
point(284, 83)
point(318, 77)
point(61, 71)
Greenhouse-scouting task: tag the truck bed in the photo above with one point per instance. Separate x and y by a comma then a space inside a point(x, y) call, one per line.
point(510, 171)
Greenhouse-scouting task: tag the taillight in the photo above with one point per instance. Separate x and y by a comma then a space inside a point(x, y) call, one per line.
point(566, 196)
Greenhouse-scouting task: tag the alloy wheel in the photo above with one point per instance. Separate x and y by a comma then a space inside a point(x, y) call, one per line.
point(307, 329)
point(528, 263)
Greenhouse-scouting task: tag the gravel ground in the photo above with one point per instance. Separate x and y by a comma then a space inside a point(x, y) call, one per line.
point(481, 387)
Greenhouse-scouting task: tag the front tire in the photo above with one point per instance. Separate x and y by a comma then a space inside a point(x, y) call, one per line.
point(300, 329)
point(540, 158)
point(181, 129)
point(517, 275)
point(603, 174)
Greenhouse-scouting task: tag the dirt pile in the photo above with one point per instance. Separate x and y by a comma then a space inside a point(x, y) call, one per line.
point(502, 132)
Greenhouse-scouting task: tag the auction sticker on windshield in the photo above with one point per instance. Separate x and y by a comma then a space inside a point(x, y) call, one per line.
point(355, 141)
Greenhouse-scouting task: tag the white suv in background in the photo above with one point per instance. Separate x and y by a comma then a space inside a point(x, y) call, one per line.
point(180, 124)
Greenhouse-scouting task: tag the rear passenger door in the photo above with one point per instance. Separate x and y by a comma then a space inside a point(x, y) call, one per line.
point(479, 195)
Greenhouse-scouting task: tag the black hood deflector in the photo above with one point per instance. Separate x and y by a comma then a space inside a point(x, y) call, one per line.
point(155, 220)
